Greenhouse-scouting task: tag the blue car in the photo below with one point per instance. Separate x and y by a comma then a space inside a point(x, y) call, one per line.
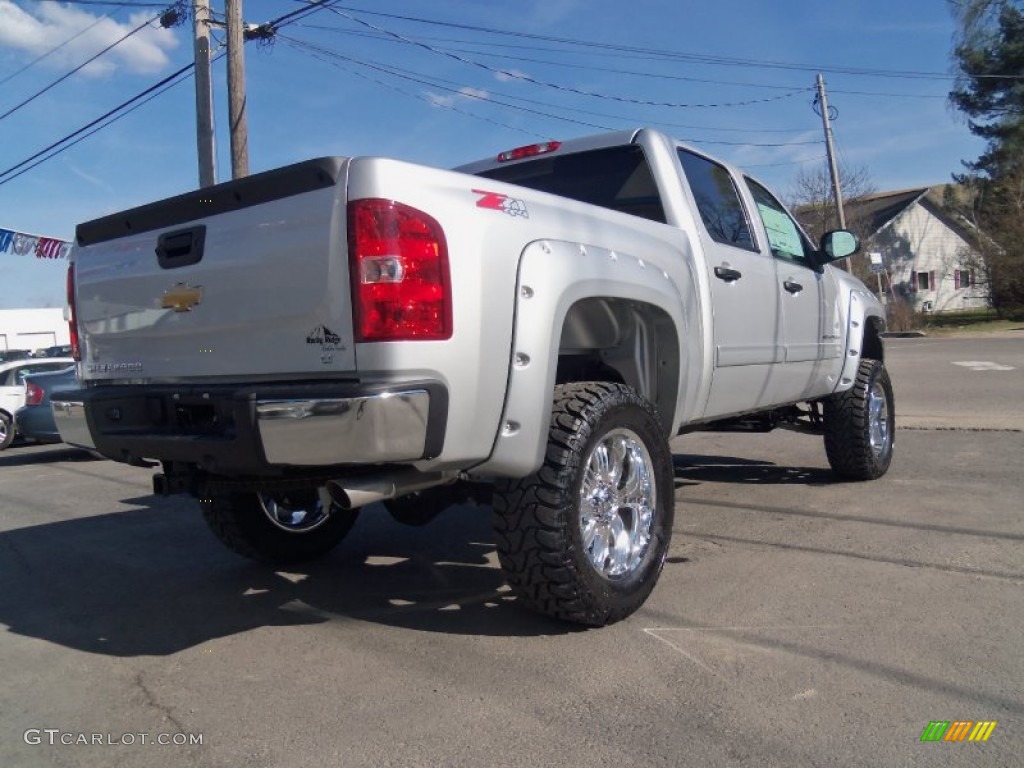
point(34, 420)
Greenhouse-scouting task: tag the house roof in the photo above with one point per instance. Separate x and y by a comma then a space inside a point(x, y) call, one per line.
point(879, 209)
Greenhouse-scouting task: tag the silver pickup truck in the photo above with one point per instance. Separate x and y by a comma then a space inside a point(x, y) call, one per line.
point(527, 331)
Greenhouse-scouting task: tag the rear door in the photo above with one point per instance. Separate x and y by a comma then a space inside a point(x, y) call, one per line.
point(743, 280)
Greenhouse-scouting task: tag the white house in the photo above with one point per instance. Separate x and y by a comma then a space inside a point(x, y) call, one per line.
point(927, 252)
point(32, 329)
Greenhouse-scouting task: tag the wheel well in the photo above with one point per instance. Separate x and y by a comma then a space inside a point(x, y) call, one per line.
point(622, 341)
point(871, 346)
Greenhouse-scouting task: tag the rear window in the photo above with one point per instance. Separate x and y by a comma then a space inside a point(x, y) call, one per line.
point(618, 178)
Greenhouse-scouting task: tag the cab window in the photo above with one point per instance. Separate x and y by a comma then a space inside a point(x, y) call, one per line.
point(717, 201)
point(785, 237)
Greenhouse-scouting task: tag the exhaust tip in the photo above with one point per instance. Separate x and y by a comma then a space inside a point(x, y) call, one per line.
point(339, 495)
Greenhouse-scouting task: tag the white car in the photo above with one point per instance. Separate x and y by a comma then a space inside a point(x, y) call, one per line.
point(12, 389)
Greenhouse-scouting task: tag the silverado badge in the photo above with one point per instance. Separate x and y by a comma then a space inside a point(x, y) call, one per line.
point(182, 297)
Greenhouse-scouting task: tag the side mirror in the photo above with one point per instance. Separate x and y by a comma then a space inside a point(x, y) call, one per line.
point(838, 244)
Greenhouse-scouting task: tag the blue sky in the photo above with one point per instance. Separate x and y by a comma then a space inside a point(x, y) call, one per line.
point(734, 77)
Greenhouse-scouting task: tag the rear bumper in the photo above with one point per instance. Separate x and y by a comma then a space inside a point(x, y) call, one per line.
point(257, 431)
point(69, 418)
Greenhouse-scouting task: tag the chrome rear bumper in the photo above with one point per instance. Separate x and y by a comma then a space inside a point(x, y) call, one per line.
point(262, 430)
point(390, 426)
point(69, 416)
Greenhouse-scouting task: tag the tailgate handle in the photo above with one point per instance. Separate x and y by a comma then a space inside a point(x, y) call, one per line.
point(181, 248)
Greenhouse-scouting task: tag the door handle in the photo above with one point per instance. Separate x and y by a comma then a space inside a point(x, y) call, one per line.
point(728, 274)
point(792, 287)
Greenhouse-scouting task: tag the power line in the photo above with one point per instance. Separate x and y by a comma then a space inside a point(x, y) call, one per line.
point(53, 50)
point(84, 136)
point(527, 59)
point(156, 89)
point(121, 3)
point(100, 119)
point(563, 88)
point(465, 92)
point(85, 63)
point(677, 55)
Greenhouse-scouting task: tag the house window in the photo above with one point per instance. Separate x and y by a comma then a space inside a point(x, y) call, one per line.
point(963, 278)
point(923, 281)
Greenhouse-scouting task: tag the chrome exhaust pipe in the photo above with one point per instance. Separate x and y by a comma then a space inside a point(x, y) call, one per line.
point(353, 492)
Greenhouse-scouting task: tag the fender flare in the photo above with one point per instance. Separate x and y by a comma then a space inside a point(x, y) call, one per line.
point(553, 276)
point(865, 323)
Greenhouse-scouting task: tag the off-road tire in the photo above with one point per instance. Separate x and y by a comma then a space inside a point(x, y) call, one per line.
point(6, 431)
point(860, 425)
point(238, 520)
point(537, 519)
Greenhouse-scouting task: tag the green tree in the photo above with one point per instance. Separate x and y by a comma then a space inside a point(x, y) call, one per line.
point(989, 56)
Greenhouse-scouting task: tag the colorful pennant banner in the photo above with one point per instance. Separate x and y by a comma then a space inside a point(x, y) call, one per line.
point(21, 244)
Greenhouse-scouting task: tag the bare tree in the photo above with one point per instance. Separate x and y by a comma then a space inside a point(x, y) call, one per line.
point(811, 198)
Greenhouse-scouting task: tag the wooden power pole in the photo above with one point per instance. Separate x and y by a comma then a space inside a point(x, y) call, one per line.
point(826, 122)
point(236, 90)
point(204, 94)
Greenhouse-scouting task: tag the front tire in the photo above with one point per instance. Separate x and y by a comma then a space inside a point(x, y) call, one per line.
point(860, 425)
point(277, 528)
point(585, 537)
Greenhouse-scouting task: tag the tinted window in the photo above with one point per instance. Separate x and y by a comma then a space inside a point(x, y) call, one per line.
point(784, 236)
point(717, 201)
point(617, 177)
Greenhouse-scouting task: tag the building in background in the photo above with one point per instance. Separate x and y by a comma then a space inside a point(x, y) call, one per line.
point(32, 329)
point(928, 252)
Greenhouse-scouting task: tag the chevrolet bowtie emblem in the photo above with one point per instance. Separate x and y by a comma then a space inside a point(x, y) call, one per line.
point(182, 297)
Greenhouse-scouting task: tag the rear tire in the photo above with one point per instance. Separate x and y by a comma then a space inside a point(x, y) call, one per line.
point(6, 431)
point(584, 538)
point(279, 528)
point(860, 425)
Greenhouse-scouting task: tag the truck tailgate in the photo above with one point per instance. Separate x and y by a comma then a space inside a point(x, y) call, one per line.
point(244, 279)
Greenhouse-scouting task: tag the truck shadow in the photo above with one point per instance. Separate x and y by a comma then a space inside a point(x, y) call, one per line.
point(154, 581)
point(691, 469)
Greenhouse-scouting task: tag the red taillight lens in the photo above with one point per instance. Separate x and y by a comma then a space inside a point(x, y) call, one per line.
point(33, 393)
point(76, 352)
point(401, 289)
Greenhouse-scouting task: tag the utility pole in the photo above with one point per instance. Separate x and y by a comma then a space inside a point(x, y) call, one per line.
point(832, 167)
point(204, 94)
point(826, 122)
point(236, 90)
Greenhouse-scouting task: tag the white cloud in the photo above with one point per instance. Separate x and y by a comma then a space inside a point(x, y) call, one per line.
point(440, 101)
point(464, 94)
point(50, 24)
point(507, 75)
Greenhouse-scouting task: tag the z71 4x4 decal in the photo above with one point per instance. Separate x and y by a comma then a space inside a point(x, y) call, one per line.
point(499, 202)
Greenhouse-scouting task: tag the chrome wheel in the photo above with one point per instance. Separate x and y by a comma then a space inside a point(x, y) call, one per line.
point(617, 503)
point(878, 419)
point(295, 513)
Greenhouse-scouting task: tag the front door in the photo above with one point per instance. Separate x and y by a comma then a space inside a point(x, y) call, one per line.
point(807, 298)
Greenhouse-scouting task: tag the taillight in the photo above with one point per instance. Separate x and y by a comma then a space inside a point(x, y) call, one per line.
point(530, 150)
point(401, 289)
point(33, 393)
point(76, 352)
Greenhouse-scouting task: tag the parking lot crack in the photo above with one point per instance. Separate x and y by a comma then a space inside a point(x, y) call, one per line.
point(151, 700)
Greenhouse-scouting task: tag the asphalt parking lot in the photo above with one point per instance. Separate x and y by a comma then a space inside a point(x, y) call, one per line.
point(799, 621)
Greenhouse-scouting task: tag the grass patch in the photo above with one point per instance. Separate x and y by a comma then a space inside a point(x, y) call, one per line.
point(974, 321)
